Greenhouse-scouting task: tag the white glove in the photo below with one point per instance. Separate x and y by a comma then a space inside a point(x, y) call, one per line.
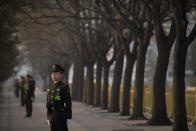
point(33, 99)
point(68, 122)
point(48, 122)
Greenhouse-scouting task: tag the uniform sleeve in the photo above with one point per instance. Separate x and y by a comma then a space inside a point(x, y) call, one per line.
point(49, 112)
point(68, 102)
point(33, 93)
point(32, 88)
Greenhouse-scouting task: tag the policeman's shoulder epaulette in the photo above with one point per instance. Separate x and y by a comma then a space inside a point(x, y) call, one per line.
point(61, 84)
point(65, 86)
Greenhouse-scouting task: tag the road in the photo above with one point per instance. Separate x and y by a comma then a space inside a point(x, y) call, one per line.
point(85, 118)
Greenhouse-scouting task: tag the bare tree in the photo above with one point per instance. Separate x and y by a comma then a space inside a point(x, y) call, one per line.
point(183, 40)
point(159, 12)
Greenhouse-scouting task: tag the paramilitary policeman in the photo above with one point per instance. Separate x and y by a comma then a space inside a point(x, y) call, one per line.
point(16, 87)
point(59, 106)
point(29, 96)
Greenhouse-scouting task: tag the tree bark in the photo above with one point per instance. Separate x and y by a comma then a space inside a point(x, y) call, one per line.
point(164, 45)
point(97, 92)
point(180, 115)
point(90, 84)
point(80, 82)
point(77, 82)
point(159, 111)
point(125, 108)
point(181, 46)
point(104, 94)
point(84, 97)
point(130, 61)
point(1, 90)
point(115, 89)
point(66, 75)
point(74, 82)
point(139, 82)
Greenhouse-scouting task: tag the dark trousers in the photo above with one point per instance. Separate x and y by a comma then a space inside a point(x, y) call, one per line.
point(28, 105)
point(58, 122)
point(22, 101)
point(16, 93)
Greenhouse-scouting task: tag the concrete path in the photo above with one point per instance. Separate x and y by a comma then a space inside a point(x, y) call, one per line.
point(85, 118)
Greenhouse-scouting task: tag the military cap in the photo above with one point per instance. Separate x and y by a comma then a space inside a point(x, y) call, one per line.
point(28, 75)
point(57, 68)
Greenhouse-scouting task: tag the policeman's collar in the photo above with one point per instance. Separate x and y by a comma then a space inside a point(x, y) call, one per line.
point(57, 83)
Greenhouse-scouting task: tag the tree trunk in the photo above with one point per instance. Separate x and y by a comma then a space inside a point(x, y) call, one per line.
point(84, 97)
point(104, 94)
point(77, 82)
point(74, 82)
point(180, 115)
point(159, 111)
point(1, 90)
point(139, 82)
point(125, 108)
point(90, 84)
point(97, 91)
point(66, 75)
point(181, 46)
point(115, 89)
point(80, 82)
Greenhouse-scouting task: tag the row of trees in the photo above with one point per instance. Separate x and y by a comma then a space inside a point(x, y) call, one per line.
point(100, 33)
point(44, 46)
point(8, 40)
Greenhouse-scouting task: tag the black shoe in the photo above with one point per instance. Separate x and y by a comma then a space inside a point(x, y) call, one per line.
point(27, 116)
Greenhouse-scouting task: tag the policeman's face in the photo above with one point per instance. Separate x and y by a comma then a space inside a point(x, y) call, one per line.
point(56, 76)
point(26, 78)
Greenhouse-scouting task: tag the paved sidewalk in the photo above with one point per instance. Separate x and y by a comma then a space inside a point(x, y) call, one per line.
point(85, 118)
point(12, 116)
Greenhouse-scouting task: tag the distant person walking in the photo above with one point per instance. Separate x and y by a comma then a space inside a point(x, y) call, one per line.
point(29, 96)
point(16, 88)
point(59, 106)
point(22, 83)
